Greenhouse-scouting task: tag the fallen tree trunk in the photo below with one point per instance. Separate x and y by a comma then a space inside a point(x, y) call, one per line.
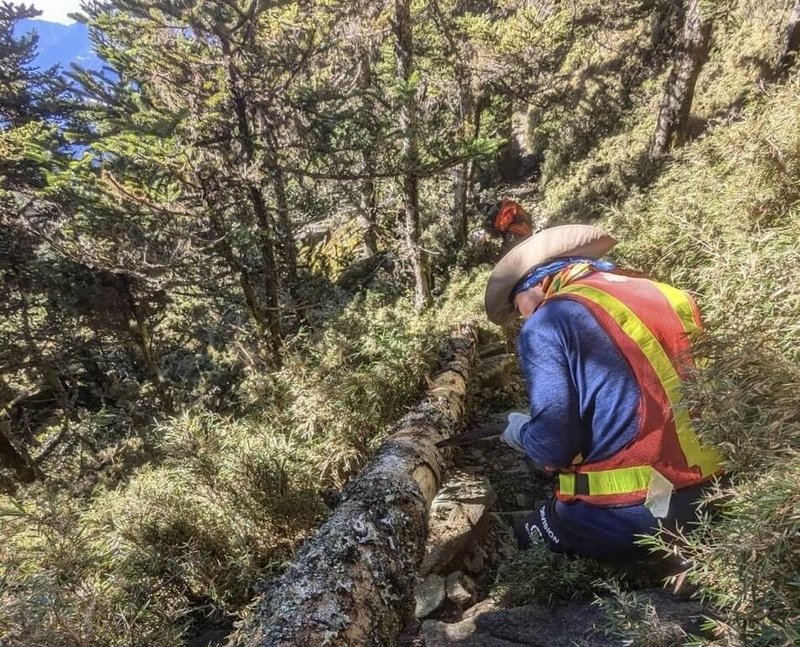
point(352, 583)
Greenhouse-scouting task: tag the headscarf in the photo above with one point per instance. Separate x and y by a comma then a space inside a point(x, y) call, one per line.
point(541, 272)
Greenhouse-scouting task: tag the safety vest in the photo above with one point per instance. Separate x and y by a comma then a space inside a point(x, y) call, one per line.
point(651, 323)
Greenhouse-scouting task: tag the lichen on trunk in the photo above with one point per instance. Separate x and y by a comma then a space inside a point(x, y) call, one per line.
point(353, 582)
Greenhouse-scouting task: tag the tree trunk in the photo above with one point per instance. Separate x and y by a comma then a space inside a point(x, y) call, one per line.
point(271, 276)
point(508, 161)
point(368, 206)
point(237, 267)
point(352, 583)
point(286, 243)
point(468, 127)
point(791, 42)
point(458, 223)
point(258, 204)
point(144, 340)
point(28, 469)
point(141, 337)
point(287, 246)
point(676, 103)
point(17, 458)
point(408, 128)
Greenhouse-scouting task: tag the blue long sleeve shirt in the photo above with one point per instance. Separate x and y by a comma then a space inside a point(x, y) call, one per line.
point(584, 403)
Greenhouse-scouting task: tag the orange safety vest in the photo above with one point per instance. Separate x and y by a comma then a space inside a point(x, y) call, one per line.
point(651, 323)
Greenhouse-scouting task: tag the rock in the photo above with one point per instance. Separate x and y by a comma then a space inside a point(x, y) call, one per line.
point(475, 561)
point(561, 625)
point(460, 589)
point(519, 468)
point(440, 634)
point(457, 519)
point(489, 604)
point(429, 595)
point(522, 500)
point(315, 233)
point(360, 272)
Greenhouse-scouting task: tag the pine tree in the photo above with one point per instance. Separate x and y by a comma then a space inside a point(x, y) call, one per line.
point(218, 85)
point(404, 51)
point(29, 340)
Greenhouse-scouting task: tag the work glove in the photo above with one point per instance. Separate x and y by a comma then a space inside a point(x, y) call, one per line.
point(511, 435)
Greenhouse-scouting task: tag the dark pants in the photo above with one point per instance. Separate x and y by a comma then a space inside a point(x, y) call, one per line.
point(544, 525)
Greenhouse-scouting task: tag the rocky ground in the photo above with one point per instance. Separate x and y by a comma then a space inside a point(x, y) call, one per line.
point(457, 602)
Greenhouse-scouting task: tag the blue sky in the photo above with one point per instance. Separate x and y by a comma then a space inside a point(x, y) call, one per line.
point(56, 10)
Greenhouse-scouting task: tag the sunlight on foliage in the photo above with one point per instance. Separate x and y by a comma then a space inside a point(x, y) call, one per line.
point(146, 231)
point(723, 221)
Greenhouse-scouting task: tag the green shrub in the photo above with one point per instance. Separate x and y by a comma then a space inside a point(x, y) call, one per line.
point(723, 220)
point(60, 585)
point(179, 543)
point(346, 384)
point(631, 619)
point(748, 562)
point(537, 575)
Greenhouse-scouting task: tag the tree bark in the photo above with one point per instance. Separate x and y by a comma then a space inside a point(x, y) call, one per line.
point(408, 127)
point(676, 103)
point(258, 203)
point(791, 42)
point(352, 583)
point(508, 159)
point(468, 127)
point(238, 267)
point(288, 247)
point(271, 275)
point(28, 469)
point(368, 206)
point(144, 340)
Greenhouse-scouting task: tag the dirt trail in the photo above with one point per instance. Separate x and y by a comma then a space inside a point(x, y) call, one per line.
point(499, 387)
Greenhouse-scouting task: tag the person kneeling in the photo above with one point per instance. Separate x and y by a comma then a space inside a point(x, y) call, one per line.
point(606, 355)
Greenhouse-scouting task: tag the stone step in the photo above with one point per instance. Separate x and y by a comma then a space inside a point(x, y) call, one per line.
point(561, 625)
point(458, 519)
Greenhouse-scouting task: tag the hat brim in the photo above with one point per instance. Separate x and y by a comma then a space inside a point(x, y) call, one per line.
point(555, 242)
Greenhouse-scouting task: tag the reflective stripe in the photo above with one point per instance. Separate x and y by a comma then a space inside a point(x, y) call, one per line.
point(623, 480)
point(681, 304)
point(707, 459)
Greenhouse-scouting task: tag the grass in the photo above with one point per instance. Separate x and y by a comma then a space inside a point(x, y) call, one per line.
point(537, 575)
point(181, 523)
point(180, 540)
point(632, 619)
point(722, 219)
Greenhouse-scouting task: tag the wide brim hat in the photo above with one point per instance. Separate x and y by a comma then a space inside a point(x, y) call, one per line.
point(543, 246)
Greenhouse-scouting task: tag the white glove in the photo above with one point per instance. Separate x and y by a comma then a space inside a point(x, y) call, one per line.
point(511, 435)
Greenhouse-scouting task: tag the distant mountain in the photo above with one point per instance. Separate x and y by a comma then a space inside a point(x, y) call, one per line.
point(61, 44)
